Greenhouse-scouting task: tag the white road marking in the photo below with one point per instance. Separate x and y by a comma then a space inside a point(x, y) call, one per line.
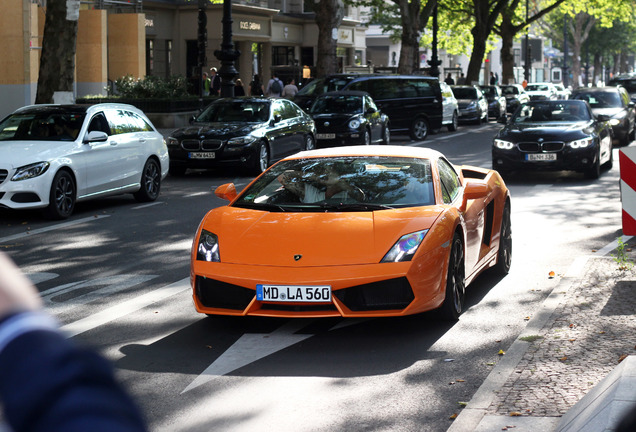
point(125, 308)
point(147, 205)
point(37, 278)
point(250, 348)
point(613, 245)
point(51, 228)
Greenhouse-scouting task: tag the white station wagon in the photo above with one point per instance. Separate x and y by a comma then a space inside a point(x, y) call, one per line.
point(52, 156)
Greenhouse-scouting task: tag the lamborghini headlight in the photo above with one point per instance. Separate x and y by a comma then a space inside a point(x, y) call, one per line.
point(208, 247)
point(405, 247)
point(30, 171)
point(582, 143)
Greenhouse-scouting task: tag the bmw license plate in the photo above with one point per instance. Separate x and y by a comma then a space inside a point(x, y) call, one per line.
point(202, 155)
point(541, 157)
point(326, 136)
point(293, 293)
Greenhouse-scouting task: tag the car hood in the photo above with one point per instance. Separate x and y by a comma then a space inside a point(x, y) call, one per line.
point(207, 130)
point(253, 237)
point(20, 153)
point(607, 111)
point(462, 103)
point(333, 119)
point(552, 132)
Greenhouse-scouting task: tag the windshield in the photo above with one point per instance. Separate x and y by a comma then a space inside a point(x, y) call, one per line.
point(342, 184)
point(324, 85)
point(490, 92)
point(337, 104)
point(600, 99)
point(629, 84)
point(570, 111)
point(509, 90)
point(465, 93)
point(41, 126)
point(537, 87)
point(235, 111)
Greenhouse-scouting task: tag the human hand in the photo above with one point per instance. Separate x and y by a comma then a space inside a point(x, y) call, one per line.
point(17, 293)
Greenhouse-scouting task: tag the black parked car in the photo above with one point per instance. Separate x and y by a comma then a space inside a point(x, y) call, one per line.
point(496, 100)
point(554, 135)
point(628, 81)
point(348, 118)
point(250, 133)
point(413, 103)
point(615, 103)
point(515, 95)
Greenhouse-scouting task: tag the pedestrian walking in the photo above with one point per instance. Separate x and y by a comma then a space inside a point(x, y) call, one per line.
point(290, 90)
point(274, 87)
point(449, 79)
point(239, 90)
point(256, 87)
point(215, 88)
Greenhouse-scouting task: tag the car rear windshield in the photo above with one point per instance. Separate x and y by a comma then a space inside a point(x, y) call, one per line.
point(41, 126)
point(465, 93)
point(341, 184)
point(324, 85)
point(609, 99)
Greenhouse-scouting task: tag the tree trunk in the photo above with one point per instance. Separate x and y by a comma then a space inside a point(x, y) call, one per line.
point(57, 63)
point(329, 14)
point(479, 51)
point(410, 50)
point(597, 68)
point(507, 55)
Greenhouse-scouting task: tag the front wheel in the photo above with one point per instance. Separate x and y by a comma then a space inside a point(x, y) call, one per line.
point(310, 144)
point(452, 127)
point(261, 158)
point(453, 304)
point(594, 171)
point(150, 183)
point(419, 129)
point(366, 138)
point(386, 135)
point(62, 197)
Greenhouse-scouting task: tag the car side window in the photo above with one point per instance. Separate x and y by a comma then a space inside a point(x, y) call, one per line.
point(360, 86)
point(424, 88)
point(449, 181)
point(138, 122)
point(278, 108)
point(99, 123)
point(118, 122)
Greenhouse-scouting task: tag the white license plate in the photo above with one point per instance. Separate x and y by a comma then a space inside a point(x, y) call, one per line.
point(541, 157)
point(326, 136)
point(202, 155)
point(293, 293)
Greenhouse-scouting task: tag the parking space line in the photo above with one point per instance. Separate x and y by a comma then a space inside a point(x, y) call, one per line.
point(50, 228)
point(148, 205)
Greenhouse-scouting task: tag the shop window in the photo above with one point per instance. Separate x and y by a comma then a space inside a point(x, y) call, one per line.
point(282, 55)
point(150, 54)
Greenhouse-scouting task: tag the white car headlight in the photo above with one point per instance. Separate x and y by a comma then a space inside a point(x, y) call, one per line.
point(172, 142)
point(504, 145)
point(354, 124)
point(615, 121)
point(472, 104)
point(405, 247)
point(582, 143)
point(241, 141)
point(208, 247)
point(30, 171)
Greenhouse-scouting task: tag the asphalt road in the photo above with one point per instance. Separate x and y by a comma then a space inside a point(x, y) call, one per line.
point(115, 275)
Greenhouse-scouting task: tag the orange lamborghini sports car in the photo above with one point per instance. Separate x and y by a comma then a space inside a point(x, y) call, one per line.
point(360, 231)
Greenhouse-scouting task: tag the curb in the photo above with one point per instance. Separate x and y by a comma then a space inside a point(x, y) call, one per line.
point(470, 418)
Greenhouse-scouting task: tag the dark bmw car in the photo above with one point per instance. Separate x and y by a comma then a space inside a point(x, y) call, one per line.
point(348, 118)
point(250, 133)
point(616, 104)
point(554, 135)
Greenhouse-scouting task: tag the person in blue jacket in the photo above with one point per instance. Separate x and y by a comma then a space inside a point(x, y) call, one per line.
point(47, 382)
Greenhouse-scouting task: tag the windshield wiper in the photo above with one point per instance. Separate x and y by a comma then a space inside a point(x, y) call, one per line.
point(354, 206)
point(261, 206)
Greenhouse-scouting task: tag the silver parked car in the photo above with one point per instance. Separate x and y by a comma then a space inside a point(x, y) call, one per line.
point(450, 108)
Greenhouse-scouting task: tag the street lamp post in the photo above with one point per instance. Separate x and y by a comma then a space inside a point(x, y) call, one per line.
point(526, 70)
point(227, 54)
point(434, 62)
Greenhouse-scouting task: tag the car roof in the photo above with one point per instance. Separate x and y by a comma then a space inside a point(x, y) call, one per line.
point(74, 108)
point(372, 150)
point(612, 89)
point(345, 93)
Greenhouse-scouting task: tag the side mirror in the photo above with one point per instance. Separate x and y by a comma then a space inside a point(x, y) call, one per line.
point(226, 191)
point(602, 117)
point(473, 189)
point(277, 118)
point(95, 136)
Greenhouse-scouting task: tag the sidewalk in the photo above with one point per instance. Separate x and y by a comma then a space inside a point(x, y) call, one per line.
point(581, 333)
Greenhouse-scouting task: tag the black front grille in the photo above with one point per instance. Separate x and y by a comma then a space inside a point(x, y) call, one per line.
point(548, 146)
point(3, 175)
point(216, 294)
point(384, 295)
point(211, 144)
point(190, 144)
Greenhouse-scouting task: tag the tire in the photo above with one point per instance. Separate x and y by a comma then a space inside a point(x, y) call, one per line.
point(366, 138)
point(455, 297)
point(419, 129)
point(504, 255)
point(386, 135)
point(177, 171)
point(452, 127)
point(261, 158)
point(479, 118)
point(310, 143)
point(62, 197)
point(594, 171)
point(150, 183)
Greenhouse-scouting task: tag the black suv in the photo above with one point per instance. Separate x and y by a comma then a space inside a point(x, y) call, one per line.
point(413, 103)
